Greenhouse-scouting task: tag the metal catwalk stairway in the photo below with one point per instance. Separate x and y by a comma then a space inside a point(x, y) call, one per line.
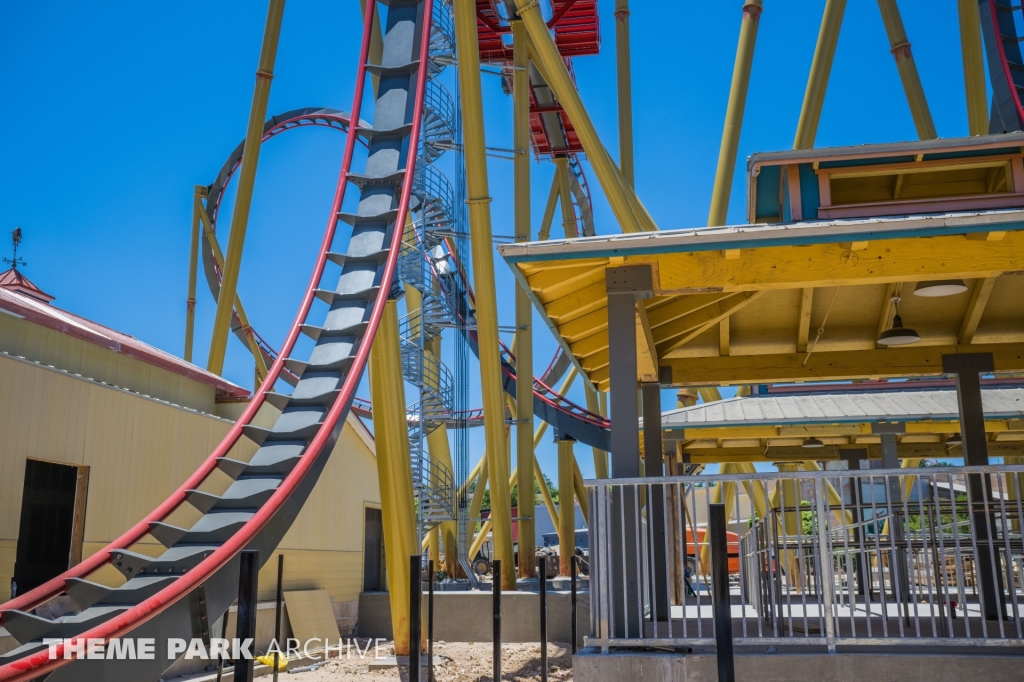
point(1005, 63)
point(191, 584)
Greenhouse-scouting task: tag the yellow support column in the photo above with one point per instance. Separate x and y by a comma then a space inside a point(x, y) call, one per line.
point(821, 67)
point(524, 310)
point(792, 524)
point(394, 470)
point(551, 63)
point(625, 81)
point(565, 197)
point(734, 113)
point(193, 268)
point(246, 181)
point(723, 493)
point(566, 508)
point(468, 46)
point(908, 70)
point(243, 318)
point(974, 66)
point(600, 456)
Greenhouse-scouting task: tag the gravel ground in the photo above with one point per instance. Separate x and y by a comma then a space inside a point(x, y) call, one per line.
point(459, 662)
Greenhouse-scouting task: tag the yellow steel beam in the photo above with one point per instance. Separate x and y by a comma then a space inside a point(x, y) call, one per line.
point(973, 56)
point(625, 82)
point(906, 361)
point(594, 405)
point(821, 68)
point(975, 309)
point(803, 331)
point(394, 470)
point(243, 318)
point(549, 208)
point(581, 490)
point(482, 247)
point(566, 509)
point(246, 181)
point(565, 197)
point(734, 113)
point(646, 352)
point(551, 63)
point(524, 308)
point(193, 268)
point(900, 47)
point(829, 265)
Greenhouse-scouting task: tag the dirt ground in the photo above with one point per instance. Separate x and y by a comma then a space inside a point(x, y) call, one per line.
point(459, 662)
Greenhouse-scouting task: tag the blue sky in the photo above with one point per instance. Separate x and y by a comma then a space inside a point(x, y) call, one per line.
point(113, 111)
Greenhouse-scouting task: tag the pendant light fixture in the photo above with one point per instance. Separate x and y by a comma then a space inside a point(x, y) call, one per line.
point(813, 443)
point(940, 287)
point(898, 335)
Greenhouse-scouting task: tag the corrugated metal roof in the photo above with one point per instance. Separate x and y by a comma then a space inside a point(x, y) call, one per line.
point(831, 408)
point(49, 316)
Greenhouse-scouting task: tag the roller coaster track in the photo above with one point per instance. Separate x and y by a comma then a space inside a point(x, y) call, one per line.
point(549, 405)
point(1005, 63)
point(180, 593)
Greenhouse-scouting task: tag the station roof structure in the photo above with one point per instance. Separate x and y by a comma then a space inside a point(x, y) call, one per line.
point(807, 299)
point(769, 427)
point(16, 301)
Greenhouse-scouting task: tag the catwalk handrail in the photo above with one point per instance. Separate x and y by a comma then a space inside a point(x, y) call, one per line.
point(42, 662)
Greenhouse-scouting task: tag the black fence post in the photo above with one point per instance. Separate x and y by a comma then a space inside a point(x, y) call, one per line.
point(415, 605)
point(496, 595)
point(277, 612)
point(430, 625)
point(572, 602)
point(720, 593)
point(245, 627)
point(542, 573)
point(223, 635)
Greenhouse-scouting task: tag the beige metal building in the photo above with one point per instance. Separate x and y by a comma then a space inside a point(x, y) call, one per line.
point(98, 428)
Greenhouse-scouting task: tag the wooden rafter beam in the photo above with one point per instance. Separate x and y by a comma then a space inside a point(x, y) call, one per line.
point(803, 330)
point(714, 315)
point(975, 310)
point(829, 265)
point(646, 353)
point(723, 336)
point(906, 361)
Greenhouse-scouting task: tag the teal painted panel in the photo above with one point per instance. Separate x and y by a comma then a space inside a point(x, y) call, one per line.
point(809, 196)
point(766, 193)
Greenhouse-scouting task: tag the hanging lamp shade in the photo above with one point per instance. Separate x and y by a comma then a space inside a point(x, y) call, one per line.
point(813, 443)
point(898, 335)
point(940, 287)
point(955, 439)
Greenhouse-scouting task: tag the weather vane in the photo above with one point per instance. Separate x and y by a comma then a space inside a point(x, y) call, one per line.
point(14, 262)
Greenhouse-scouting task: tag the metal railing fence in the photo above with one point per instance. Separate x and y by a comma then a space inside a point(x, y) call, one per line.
point(847, 558)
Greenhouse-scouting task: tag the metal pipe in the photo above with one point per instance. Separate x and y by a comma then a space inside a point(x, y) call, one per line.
point(415, 605)
point(900, 47)
point(717, 523)
point(193, 268)
point(821, 68)
point(542, 570)
point(277, 613)
point(496, 614)
point(475, 149)
point(566, 507)
point(246, 181)
point(524, 308)
point(430, 624)
point(625, 82)
point(245, 622)
point(973, 55)
point(572, 601)
point(376, 53)
point(558, 79)
point(387, 393)
point(734, 114)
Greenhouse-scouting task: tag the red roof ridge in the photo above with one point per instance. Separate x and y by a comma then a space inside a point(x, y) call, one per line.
point(40, 312)
point(15, 281)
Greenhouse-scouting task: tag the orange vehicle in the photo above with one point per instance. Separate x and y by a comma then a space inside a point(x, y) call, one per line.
point(732, 548)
